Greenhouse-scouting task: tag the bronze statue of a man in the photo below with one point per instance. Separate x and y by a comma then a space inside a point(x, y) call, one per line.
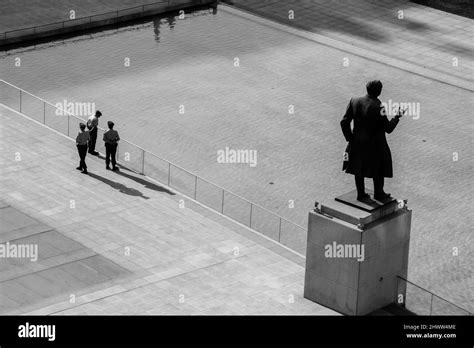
point(367, 154)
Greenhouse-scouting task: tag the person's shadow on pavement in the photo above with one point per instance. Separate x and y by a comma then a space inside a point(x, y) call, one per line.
point(145, 183)
point(118, 186)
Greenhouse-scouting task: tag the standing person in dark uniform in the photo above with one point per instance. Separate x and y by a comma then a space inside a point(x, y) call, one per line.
point(367, 154)
point(111, 137)
point(92, 124)
point(82, 139)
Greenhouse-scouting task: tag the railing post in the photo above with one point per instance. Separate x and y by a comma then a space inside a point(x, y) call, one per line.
point(143, 162)
point(397, 292)
point(251, 209)
point(195, 186)
point(279, 231)
point(222, 208)
point(169, 173)
point(431, 306)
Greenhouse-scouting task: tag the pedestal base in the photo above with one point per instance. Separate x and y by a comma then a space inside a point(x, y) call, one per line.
point(354, 256)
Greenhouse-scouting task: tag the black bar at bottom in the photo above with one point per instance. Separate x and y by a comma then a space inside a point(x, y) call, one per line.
point(224, 330)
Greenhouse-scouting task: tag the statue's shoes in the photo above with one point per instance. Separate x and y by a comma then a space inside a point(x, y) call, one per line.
point(363, 197)
point(382, 196)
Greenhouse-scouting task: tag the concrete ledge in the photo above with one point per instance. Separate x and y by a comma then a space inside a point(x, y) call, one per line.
point(100, 20)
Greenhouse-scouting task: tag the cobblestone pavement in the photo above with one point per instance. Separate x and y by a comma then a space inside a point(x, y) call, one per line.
point(248, 108)
point(120, 247)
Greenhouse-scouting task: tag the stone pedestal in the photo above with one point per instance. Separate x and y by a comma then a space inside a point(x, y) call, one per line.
point(355, 252)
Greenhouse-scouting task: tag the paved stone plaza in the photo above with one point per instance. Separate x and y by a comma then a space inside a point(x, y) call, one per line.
point(422, 35)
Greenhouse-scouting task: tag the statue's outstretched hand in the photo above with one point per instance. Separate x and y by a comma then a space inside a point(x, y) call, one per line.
point(400, 113)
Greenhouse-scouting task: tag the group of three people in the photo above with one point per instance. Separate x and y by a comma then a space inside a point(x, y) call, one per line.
point(86, 140)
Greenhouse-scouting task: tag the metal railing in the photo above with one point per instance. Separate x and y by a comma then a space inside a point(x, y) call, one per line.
point(89, 19)
point(293, 236)
point(174, 176)
point(423, 302)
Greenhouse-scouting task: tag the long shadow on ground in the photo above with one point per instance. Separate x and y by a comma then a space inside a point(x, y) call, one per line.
point(147, 184)
point(118, 186)
point(141, 181)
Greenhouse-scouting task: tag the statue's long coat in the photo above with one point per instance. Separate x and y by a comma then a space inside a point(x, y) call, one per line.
point(368, 154)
